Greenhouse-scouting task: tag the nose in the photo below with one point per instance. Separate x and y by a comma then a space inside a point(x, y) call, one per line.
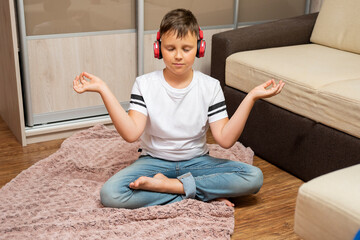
point(178, 54)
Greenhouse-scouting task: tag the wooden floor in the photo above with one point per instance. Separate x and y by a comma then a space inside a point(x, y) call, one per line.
point(268, 214)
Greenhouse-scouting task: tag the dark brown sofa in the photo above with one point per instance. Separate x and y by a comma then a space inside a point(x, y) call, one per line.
point(294, 143)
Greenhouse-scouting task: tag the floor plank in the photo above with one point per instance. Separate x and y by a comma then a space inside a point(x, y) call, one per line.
point(14, 158)
point(269, 214)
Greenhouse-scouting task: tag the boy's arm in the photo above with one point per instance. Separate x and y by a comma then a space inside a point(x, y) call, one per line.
point(226, 132)
point(130, 126)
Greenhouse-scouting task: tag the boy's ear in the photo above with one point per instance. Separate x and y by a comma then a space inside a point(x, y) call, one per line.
point(201, 45)
point(157, 46)
point(157, 50)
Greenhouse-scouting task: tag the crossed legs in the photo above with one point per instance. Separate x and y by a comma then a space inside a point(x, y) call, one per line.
point(150, 181)
point(161, 183)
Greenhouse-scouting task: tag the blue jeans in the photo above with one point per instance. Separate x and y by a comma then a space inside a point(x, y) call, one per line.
point(204, 178)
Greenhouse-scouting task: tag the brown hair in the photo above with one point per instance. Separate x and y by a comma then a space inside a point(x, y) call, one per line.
point(179, 21)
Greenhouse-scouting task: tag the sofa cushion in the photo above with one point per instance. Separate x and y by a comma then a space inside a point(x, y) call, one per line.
point(338, 25)
point(322, 83)
point(327, 207)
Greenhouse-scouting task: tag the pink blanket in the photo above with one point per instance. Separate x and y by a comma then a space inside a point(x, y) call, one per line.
point(58, 197)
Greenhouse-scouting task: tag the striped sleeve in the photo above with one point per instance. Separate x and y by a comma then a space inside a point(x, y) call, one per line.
point(217, 110)
point(137, 101)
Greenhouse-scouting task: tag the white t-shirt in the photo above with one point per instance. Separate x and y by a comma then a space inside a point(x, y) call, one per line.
point(178, 119)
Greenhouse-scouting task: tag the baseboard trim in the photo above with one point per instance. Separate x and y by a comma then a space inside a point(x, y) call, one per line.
point(61, 130)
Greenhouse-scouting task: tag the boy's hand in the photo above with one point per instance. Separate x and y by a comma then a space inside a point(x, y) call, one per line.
point(262, 91)
point(94, 84)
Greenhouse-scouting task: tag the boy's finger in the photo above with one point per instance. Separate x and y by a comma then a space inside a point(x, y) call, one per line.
point(88, 75)
point(280, 88)
point(76, 81)
point(82, 80)
point(268, 83)
point(282, 84)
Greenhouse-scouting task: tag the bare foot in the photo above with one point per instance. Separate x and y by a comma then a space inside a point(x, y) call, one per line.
point(224, 200)
point(160, 176)
point(158, 183)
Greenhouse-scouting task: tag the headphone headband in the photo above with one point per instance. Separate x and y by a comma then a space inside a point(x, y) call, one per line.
point(201, 35)
point(158, 36)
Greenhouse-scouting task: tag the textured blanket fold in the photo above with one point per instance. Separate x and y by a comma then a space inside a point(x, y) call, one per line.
point(58, 197)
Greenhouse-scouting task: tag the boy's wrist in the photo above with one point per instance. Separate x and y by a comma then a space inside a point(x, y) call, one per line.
point(103, 88)
point(252, 96)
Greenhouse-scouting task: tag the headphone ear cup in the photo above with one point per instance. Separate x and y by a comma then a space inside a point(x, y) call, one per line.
point(157, 50)
point(201, 46)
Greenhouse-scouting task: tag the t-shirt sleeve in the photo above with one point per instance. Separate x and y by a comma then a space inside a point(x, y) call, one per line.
point(217, 108)
point(137, 101)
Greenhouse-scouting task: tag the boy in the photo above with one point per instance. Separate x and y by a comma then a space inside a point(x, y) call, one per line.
point(171, 110)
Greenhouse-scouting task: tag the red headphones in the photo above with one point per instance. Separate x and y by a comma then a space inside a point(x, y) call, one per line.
point(201, 46)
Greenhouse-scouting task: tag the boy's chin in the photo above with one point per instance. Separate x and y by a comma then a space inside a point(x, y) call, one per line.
point(179, 68)
point(179, 71)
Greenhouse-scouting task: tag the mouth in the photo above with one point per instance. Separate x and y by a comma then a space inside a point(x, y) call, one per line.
point(178, 65)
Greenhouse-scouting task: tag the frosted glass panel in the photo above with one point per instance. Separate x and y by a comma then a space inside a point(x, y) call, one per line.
point(207, 12)
point(260, 10)
point(71, 16)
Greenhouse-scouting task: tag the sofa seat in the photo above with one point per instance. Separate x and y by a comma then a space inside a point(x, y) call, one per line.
point(327, 207)
point(322, 83)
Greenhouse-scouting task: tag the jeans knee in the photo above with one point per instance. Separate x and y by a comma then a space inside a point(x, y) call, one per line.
point(257, 179)
point(110, 197)
point(106, 197)
point(252, 180)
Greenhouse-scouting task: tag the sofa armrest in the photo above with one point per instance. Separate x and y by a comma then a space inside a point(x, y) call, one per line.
point(284, 32)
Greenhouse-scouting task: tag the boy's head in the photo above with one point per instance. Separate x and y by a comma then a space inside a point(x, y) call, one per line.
point(180, 22)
